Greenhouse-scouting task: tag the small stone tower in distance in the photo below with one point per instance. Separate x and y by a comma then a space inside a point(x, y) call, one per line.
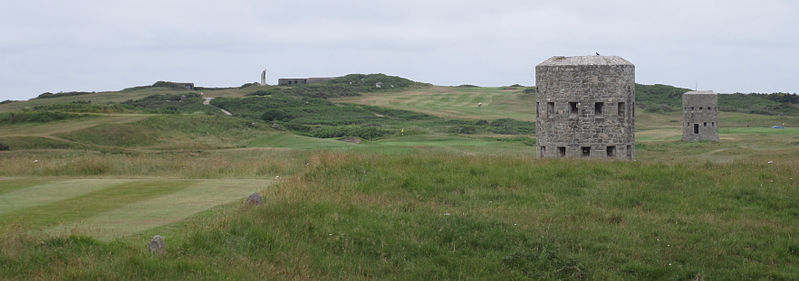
point(263, 77)
point(585, 107)
point(700, 115)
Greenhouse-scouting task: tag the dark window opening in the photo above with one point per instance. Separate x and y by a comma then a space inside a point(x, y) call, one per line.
point(611, 151)
point(704, 124)
point(561, 151)
point(550, 109)
point(630, 151)
point(572, 109)
point(536, 109)
point(621, 110)
point(700, 108)
point(696, 128)
point(692, 108)
point(713, 124)
point(543, 151)
point(586, 151)
point(598, 106)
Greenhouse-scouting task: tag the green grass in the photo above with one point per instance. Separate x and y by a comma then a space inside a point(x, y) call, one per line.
point(134, 217)
point(455, 197)
point(87, 204)
point(456, 102)
point(423, 216)
point(9, 185)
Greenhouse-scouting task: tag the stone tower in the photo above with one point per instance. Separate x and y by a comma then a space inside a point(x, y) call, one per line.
point(585, 107)
point(700, 115)
point(263, 77)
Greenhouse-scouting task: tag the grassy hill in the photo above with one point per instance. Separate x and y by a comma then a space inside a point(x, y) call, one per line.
point(438, 189)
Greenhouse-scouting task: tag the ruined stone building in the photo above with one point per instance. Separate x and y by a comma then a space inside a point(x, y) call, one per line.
point(700, 115)
point(263, 77)
point(300, 81)
point(585, 107)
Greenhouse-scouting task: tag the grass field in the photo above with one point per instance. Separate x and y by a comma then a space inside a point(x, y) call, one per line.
point(456, 102)
point(79, 198)
point(109, 208)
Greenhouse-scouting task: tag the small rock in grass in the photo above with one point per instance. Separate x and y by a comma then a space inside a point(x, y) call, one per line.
point(254, 199)
point(157, 246)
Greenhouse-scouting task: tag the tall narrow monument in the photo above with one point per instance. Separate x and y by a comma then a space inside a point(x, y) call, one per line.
point(585, 107)
point(263, 77)
point(700, 114)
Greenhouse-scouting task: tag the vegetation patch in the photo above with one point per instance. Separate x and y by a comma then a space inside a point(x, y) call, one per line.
point(38, 117)
point(61, 94)
point(350, 85)
point(432, 216)
point(36, 142)
point(320, 118)
point(114, 135)
point(86, 106)
point(172, 103)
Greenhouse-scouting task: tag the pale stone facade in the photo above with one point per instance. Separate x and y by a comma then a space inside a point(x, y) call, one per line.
point(700, 114)
point(585, 107)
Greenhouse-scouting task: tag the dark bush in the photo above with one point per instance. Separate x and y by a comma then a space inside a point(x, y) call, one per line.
point(275, 115)
point(3, 146)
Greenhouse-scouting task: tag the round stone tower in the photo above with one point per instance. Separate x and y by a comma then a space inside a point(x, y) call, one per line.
point(700, 115)
point(585, 107)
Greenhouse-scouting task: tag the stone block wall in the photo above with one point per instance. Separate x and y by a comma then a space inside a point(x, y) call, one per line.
point(585, 107)
point(700, 116)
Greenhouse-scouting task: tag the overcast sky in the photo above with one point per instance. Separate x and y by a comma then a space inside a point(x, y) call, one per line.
point(78, 45)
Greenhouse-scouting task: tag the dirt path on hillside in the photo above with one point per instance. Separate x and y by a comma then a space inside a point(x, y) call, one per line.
point(207, 101)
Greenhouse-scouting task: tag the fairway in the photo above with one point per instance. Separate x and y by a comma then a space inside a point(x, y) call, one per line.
point(456, 102)
point(108, 208)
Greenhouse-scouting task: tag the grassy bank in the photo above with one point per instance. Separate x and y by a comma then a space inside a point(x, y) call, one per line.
point(434, 216)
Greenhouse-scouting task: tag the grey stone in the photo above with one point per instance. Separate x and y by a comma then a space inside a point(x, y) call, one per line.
point(700, 114)
point(157, 245)
point(585, 107)
point(254, 199)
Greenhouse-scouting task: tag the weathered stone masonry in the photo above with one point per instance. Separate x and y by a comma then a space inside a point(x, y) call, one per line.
point(585, 107)
point(700, 116)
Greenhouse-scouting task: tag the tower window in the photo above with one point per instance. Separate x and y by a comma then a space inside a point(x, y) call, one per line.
point(573, 109)
point(550, 109)
point(586, 151)
point(561, 151)
point(700, 108)
point(704, 124)
point(630, 151)
point(692, 108)
point(536, 109)
point(621, 110)
point(713, 124)
point(611, 151)
point(696, 128)
point(543, 151)
point(598, 106)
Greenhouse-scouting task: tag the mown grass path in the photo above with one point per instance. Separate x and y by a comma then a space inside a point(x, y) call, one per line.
point(107, 208)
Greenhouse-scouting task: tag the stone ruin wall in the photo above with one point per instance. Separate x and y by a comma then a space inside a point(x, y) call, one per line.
point(586, 109)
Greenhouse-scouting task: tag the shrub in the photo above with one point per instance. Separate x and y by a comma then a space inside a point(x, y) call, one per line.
point(275, 115)
point(36, 117)
point(3, 146)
